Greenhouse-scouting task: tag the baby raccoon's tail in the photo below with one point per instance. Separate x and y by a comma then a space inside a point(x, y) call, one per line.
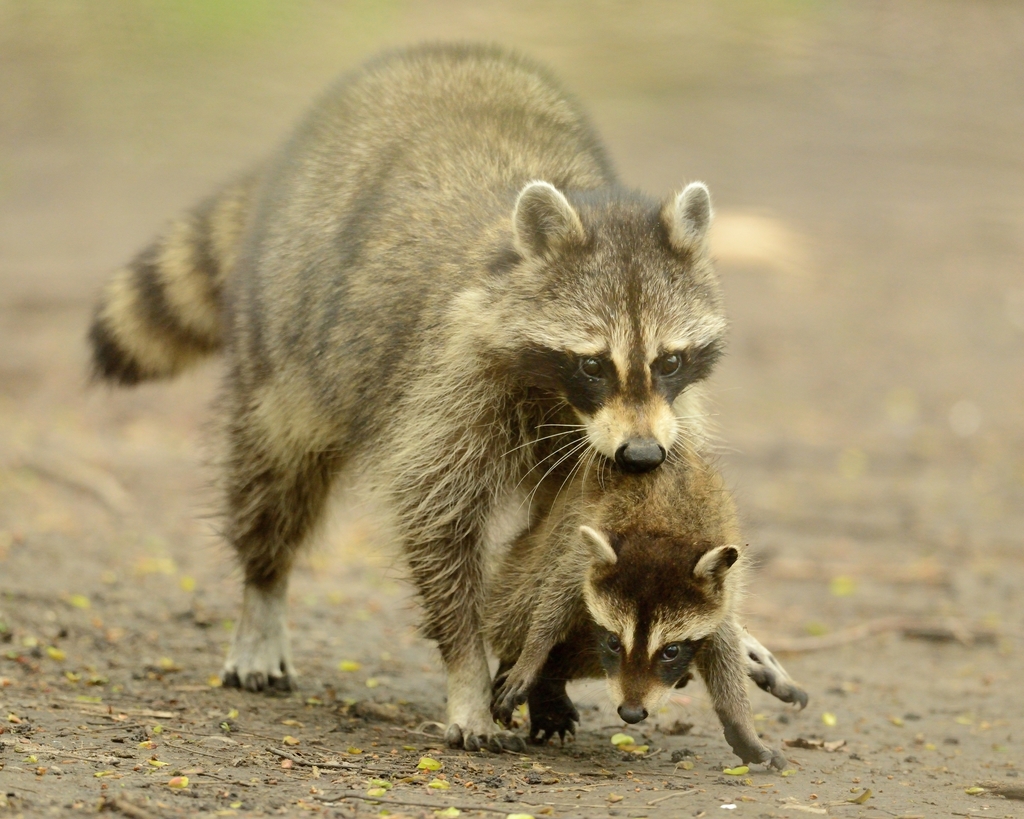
point(163, 312)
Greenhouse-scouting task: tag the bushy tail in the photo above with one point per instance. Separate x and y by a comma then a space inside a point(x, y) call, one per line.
point(162, 312)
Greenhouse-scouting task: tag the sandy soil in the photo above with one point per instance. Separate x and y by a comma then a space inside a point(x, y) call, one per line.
point(868, 170)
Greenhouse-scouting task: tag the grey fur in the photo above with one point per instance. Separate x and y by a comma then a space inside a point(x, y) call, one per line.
point(410, 305)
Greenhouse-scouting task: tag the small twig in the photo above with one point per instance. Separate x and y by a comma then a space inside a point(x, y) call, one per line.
point(122, 805)
point(300, 761)
point(921, 627)
point(673, 795)
point(190, 750)
point(1006, 791)
point(383, 801)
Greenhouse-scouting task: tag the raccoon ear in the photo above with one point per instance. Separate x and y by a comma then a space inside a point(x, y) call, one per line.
point(715, 563)
point(688, 218)
point(544, 222)
point(600, 548)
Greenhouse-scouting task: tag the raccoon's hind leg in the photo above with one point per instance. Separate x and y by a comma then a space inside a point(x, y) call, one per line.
point(768, 673)
point(275, 496)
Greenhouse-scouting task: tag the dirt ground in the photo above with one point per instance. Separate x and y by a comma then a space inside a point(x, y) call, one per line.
point(868, 170)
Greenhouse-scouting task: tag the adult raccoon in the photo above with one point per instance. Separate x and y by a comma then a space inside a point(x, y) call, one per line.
point(440, 286)
point(636, 578)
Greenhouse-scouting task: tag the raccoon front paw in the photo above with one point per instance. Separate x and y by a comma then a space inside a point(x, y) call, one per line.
point(510, 691)
point(551, 712)
point(750, 749)
point(768, 673)
point(488, 739)
point(260, 657)
point(275, 678)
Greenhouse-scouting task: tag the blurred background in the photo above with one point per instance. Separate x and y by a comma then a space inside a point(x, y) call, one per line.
point(866, 161)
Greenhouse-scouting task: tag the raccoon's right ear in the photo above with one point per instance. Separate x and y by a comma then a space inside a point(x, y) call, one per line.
point(544, 222)
point(688, 217)
point(714, 564)
point(601, 549)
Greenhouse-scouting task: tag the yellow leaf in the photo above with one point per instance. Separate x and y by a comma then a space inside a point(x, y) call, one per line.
point(842, 586)
point(686, 765)
point(381, 783)
point(167, 664)
point(829, 719)
point(349, 665)
point(214, 681)
point(291, 723)
point(233, 713)
point(427, 763)
point(519, 816)
point(235, 805)
point(187, 583)
point(376, 791)
point(622, 739)
point(156, 763)
point(449, 813)
point(157, 729)
point(79, 601)
point(290, 740)
point(178, 782)
point(789, 772)
point(614, 797)
point(148, 744)
point(101, 774)
point(31, 758)
point(860, 800)
point(373, 682)
point(55, 653)
point(438, 784)
point(409, 748)
point(974, 791)
point(352, 749)
point(742, 769)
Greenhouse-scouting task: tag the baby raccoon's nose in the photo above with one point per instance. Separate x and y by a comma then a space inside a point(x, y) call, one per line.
point(639, 455)
point(632, 713)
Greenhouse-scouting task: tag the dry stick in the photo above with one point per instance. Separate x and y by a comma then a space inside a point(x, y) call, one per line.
point(382, 801)
point(673, 796)
point(299, 761)
point(122, 805)
point(925, 627)
point(1006, 791)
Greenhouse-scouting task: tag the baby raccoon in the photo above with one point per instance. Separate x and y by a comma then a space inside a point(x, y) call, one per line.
point(638, 580)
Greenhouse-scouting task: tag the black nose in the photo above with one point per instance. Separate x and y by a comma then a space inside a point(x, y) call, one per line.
point(632, 713)
point(640, 455)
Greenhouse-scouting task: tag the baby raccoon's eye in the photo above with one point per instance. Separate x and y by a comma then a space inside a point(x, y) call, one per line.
point(614, 643)
point(591, 367)
point(667, 364)
point(670, 653)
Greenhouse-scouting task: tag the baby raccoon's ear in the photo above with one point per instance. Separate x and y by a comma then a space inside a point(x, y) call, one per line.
point(688, 218)
point(544, 222)
point(715, 564)
point(600, 548)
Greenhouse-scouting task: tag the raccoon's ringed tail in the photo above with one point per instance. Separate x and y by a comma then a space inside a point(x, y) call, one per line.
point(162, 312)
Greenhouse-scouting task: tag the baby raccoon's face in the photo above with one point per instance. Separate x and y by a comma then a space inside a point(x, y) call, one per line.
point(624, 316)
point(654, 602)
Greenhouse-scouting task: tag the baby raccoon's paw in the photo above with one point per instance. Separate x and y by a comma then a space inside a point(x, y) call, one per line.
point(259, 672)
point(751, 750)
point(510, 691)
point(260, 655)
point(768, 673)
point(483, 737)
point(551, 712)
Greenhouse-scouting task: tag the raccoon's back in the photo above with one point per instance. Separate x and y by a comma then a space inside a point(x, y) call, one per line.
point(396, 192)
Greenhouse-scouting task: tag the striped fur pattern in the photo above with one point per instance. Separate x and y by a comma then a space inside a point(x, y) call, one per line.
point(162, 312)
point(636, 578)
point(437, 287)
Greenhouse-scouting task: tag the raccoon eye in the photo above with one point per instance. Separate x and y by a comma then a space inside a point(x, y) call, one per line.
point(667, 364)
point(670, 653)
point(614, 643)
point(591, 367)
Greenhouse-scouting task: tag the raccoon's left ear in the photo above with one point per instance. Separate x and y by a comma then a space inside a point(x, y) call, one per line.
point(544, 222)
point(600, 547)
point(714, 564)
point(688, 218)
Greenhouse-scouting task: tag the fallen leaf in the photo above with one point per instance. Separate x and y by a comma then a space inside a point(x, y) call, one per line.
point(79, 601)
point(427, 763)
point(829, 719)
point(376, 791)
point(742, 769)
point(451, 813)
point(974, 791)
point(862, 798)
point(290, 740)
point(55, 653)
point(349, 665)
point(439, 784)
point(178, 782)
point(622, 739)
point(614, 797)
